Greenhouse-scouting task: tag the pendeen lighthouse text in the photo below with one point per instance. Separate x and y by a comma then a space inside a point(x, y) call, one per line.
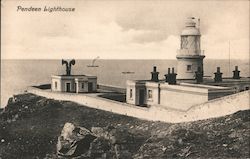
point(45, 9)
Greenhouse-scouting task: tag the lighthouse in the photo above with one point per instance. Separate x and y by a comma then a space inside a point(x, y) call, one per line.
point(190, 56)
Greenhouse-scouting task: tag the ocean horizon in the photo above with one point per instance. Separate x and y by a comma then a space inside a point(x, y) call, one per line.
point(17, 75)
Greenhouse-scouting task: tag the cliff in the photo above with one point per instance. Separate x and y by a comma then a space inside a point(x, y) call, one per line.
point(30, 126)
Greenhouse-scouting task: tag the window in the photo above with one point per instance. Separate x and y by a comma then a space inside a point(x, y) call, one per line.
point(184, 42)
point(82, 85)
point(131, 93)
point(150, 94)
point(189, 67)
point(55, 85)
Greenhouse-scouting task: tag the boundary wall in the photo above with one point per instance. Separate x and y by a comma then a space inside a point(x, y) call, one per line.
point(213, 108)
point(111, 88)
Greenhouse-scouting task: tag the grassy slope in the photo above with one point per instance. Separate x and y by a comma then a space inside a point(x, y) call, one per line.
point(30, 126)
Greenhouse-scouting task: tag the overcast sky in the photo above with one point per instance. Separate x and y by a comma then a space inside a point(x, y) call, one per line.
point(128, 29)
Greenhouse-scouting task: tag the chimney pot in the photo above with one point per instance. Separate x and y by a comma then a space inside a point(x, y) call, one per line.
point(236, 73)
point(218, 75)
point(218, 69)
point(154, 75)
point(169, 71)
point(171, 77)
point(154, 69)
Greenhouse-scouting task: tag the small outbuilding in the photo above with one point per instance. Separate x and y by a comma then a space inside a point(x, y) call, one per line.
point(74, 83)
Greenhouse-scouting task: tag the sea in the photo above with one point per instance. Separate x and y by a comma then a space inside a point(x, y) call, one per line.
point(17, 75)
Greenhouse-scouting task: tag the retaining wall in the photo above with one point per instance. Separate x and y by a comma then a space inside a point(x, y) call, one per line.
point(214, 108)
point(220, 106)
point(111, 88)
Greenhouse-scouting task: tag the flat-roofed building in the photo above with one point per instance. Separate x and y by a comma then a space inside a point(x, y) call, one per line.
point(178, 96)
point(74, 83)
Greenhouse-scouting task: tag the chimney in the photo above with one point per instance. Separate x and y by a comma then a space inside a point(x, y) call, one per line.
point(236, 73)
point(154, 75)
point(218, 75)
point(199, 76)
point(171, 78)
point(166, 75)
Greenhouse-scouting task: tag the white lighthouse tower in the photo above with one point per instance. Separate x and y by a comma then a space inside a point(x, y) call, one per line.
point(190, 56)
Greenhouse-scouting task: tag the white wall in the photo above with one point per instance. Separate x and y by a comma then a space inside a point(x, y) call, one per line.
point(72, 85)
point(182, 72)
point(182, 97)
point(214, 108)
point(220, 106)
point(85, 88)
point(61, 84)
point(133, 99)
point(59, 88)
point(155, 94)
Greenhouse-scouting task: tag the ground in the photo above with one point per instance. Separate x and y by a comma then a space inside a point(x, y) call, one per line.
point(30, 126)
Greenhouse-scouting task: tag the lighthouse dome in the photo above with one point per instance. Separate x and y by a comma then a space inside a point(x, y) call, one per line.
point(190, 28)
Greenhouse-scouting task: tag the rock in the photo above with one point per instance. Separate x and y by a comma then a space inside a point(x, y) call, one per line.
point(121, 136)
point(100, 132)
point(74, 141)
point(150, 150)
point(225, 145)
point(121, 152)
point(100, 148)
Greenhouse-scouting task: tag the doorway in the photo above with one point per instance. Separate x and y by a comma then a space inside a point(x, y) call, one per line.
point(90, 87)
point(67, 87)
point(76, 88)
point(141, 96)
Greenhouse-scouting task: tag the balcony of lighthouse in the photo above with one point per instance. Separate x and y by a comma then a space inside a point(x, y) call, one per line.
point(190, 53)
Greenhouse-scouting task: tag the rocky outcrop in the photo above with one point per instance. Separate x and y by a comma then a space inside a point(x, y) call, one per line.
point(107, 142)
point(74, 141)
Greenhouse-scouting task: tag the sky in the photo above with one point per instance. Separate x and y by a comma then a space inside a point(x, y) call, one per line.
point(127, 29)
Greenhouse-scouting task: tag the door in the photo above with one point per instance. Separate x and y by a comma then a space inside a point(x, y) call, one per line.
point(90, 87)
point(67, 87)
point(76, 88)
point(141, 97)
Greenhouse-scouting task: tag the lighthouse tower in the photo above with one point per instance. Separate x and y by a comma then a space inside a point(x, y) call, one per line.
point(190, 56)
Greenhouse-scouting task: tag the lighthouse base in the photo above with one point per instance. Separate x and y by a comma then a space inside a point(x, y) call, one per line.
point(186, 68)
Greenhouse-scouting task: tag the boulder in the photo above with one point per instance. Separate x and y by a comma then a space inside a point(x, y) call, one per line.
point(100, 148)
point(74, 141)
point(121, 136)
point(100, 132)
point(106, 142)
point(122, 152)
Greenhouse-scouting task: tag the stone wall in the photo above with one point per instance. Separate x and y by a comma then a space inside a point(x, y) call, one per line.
point(214, 108)
point(220, 106)
point(181, 97)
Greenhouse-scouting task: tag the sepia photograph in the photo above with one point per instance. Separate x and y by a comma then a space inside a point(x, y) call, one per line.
point(128, 79)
